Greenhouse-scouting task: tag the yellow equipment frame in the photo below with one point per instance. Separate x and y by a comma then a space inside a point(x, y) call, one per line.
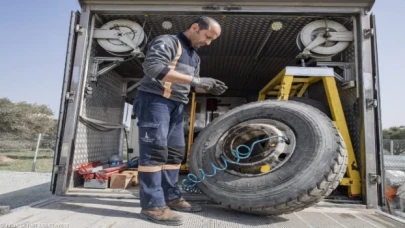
point(294, 81)
point(184, 167)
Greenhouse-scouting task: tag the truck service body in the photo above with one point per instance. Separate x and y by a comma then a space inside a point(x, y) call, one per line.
point(262, 41)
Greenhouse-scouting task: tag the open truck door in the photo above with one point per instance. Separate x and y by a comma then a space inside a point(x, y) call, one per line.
point(69, 101)
point(370, 121)
point(378, 120)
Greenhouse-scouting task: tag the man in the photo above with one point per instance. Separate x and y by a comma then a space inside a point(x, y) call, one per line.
point(171, 70)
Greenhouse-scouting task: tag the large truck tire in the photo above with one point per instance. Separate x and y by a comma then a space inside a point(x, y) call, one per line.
point(311, 102)
point(313, 164)
point(314, 103)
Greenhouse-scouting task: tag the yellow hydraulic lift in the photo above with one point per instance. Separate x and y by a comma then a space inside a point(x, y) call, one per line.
point(294, 81)
point(184, 167)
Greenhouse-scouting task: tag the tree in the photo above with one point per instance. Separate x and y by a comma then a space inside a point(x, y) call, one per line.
point(49, 137)
point(397, 136)
point(394, 133)
point(22, 122)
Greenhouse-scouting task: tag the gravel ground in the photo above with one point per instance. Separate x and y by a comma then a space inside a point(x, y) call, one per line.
point(23, 188)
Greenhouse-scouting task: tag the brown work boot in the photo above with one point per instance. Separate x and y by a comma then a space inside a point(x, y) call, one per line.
point(162, 215)
point(183, 206)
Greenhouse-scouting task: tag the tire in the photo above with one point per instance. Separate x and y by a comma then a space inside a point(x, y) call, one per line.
point(314, 170)
point(314, 103)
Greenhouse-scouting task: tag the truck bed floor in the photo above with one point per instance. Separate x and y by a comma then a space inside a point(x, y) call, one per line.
point(76, 211)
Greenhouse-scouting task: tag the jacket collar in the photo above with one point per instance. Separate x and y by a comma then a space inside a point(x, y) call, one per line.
point(185, 40)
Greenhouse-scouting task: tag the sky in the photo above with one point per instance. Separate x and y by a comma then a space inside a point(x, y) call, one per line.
point(34, 36)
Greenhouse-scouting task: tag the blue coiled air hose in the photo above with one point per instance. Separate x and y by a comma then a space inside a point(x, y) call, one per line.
point(189, 184)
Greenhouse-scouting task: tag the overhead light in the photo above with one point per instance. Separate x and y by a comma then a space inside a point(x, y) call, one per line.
point(167, 24)
point(276, 25)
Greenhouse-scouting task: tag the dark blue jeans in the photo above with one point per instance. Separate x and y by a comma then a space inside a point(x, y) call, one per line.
point(161, 148)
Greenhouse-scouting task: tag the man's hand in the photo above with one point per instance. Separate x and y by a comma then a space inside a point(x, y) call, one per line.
point(218, 90)
point(205, 83)
point(210, 85)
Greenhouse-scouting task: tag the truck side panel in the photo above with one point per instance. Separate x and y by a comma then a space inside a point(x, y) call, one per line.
point(72, 108)
point(368, 135)
point(70, 53)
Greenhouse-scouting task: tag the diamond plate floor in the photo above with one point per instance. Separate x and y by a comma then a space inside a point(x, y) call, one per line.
point(105, 212)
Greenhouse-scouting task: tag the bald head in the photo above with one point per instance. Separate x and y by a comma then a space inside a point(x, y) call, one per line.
point(203, 31)
point(205, 23)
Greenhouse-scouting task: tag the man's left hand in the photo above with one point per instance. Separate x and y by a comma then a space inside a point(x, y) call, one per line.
point(218, 89)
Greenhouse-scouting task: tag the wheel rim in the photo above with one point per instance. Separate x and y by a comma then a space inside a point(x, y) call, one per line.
point(265, 157)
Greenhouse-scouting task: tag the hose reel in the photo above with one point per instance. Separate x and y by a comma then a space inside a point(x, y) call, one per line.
point(122, 38)
point(323, 39)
